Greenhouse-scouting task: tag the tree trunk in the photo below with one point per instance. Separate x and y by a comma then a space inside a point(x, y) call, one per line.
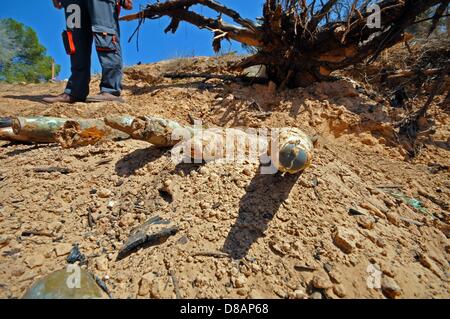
point(297, 42)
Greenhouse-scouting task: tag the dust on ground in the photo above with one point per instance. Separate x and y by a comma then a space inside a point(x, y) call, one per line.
point(242, 234)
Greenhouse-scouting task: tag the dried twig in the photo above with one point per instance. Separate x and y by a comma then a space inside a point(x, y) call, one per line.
point(176, 285)
point(216, 254)
point(62, 170)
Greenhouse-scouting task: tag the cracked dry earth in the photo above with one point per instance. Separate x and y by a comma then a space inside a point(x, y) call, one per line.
point(242, 234)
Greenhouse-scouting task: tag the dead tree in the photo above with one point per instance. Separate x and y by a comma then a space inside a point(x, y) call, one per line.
point(300, 41)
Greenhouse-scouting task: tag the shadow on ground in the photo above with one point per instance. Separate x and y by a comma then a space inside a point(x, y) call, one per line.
point(132, 162)
point(32, 98)
point(257, 208)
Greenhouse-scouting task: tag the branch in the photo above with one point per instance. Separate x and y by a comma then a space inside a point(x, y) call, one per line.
point(323, 12)
point(247, 33)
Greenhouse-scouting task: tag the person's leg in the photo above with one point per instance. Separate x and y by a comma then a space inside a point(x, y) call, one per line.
point(79, 24)
point(105, 26)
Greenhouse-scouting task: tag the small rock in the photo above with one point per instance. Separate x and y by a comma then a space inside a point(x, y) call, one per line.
point(18, 271)
point(254, 294)
point(239, 282)
point(393, 218)
point(167, 183)
point(145, 285)
point(247, 172)
point(104, 193)
point(299, 294)
point(366, 222)
point(316, 295)
point(101, 263)
point(380, 242)
point(34, 261)
point(242, 292)
point(126, 220)
point(200, 281)
point(321, 282)
point(390, 288)
point(63, 249)
point(370, 207)
point(368, 139)
point(328, 268)
point(339, 291)
point(111, 204)
point(346, 239)
point(428, 263)
point(55, 226)
point(4, 240)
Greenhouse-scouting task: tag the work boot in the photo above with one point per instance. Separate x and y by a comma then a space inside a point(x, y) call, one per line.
point(62, 98)
point(105, 97)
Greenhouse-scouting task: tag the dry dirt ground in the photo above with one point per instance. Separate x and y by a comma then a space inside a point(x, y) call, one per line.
point(242, 234)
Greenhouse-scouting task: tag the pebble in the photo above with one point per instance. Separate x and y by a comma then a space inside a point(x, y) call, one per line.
point(34, 261)
point(101, 263)
point(393, 218)
point(247, 172)
point(104, 193)
point(18, 271)
point(4, 240)
point(316, 295)
point(368, 139)
point(126, 220)
point(428, 263)
point(367, 222)
point(346, 239)
point(321, 282)
point(63, 249)
point(200, 281)
point(339, 291)
point(145, 285)
point(111, 204)
point(390, 288)
point(299, 294)
point(55, 226)
point(239, 282)
point(370, 207)
point(254, 294)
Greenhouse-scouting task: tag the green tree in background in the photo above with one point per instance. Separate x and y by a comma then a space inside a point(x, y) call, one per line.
point(22, 57)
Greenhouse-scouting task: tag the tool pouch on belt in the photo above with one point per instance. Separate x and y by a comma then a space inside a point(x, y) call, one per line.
point(69, 44)
point(105, 42)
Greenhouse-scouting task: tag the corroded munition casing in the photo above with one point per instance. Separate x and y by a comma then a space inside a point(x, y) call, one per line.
point(43, 129)
point(5, 122)
point(38, 129)
point(46, 129)
point(122, 123)
point(230, 144)
point(157, 131)
point(291, 150)
point(7, 134)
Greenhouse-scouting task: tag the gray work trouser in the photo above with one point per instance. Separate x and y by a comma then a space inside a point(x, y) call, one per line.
point(97, 20)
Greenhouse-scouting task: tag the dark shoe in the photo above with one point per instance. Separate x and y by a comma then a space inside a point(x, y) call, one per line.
point(62, 98)
point(105, 97)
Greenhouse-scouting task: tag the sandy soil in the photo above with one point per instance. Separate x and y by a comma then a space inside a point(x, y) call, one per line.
point(278, 237)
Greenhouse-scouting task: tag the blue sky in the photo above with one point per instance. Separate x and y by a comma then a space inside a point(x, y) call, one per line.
point(154, 44)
